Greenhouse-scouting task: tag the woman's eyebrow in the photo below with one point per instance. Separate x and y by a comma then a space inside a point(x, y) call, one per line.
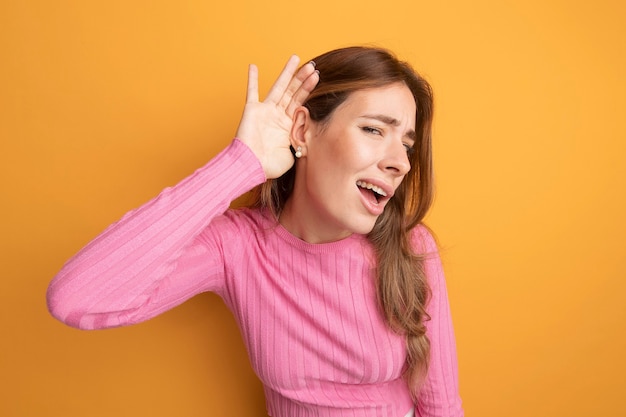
point(390, 121)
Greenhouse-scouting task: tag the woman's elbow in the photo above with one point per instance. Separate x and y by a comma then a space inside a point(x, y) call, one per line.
point(62, 308)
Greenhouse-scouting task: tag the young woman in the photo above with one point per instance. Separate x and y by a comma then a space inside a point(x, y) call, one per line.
point(334, 281)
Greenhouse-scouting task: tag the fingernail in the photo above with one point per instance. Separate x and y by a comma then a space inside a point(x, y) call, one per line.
point(312, 63)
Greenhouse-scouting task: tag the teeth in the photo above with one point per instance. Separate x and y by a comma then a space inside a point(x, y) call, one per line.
point(372, 187)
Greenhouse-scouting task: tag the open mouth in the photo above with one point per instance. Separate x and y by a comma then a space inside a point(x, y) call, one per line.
point(374, 193)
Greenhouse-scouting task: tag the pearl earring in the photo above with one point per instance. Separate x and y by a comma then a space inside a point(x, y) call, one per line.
point(298, 153)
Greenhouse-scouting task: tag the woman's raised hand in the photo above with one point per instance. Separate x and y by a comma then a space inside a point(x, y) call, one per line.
point(265, 126)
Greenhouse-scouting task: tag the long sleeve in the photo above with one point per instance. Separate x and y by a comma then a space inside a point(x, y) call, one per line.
point(153, 259)
point(439, 396)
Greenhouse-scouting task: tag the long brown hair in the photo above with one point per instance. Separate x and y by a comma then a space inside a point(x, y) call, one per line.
point(402, 287)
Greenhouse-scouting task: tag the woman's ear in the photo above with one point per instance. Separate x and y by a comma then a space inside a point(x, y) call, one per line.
point(301, 129)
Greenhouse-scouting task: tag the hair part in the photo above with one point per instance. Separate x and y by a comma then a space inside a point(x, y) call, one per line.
point(402, 288)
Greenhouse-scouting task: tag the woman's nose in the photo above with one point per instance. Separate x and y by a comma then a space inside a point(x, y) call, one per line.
point(396, 159)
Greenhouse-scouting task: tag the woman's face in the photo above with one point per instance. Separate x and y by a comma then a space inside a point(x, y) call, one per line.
point(353, 163)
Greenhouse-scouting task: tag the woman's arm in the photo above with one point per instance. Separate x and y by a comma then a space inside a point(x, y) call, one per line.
point(439, 396)
point(153, 259)
point(150, 260)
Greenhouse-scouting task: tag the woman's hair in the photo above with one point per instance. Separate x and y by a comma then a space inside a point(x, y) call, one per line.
point(402, 287)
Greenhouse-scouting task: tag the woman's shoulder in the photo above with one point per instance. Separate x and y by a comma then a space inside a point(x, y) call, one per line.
point(236, 228)
point(425, 245)
point(244, 218)
point(246, 222)
point(423, 240)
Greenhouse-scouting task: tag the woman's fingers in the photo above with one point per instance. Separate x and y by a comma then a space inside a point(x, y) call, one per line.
point(289, 91)
point(296, 83)
point(252, 93)
point(303, 91)
point(284, 79)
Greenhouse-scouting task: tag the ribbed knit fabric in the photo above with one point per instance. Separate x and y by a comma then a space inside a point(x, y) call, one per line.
point(307, 312)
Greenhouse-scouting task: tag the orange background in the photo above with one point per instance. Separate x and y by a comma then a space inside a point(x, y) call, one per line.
point(103, 104)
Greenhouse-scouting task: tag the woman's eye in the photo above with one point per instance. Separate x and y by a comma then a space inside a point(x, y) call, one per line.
point(372, 130)
point(409, 149)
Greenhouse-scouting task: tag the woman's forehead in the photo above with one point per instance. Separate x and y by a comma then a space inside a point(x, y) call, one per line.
point(393, 103)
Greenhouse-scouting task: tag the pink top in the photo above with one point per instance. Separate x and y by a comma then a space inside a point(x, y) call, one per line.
point(307, 312)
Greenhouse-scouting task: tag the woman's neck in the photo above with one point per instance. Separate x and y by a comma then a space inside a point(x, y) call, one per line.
point(301, 220)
